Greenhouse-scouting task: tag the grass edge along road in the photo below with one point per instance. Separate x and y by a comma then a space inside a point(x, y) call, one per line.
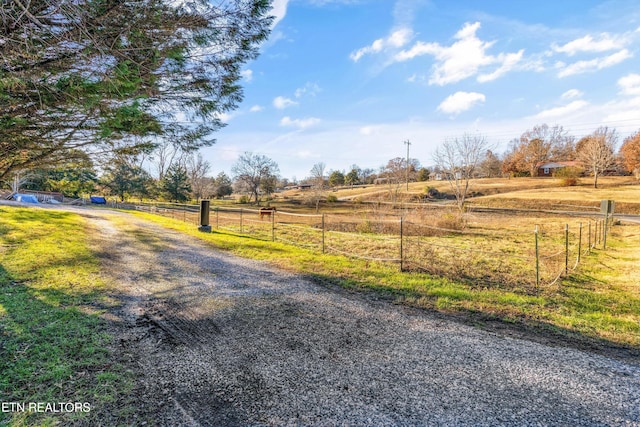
point(583, 305)
point(54, 347)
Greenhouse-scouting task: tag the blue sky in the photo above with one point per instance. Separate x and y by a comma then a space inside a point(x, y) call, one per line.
point(346, 82)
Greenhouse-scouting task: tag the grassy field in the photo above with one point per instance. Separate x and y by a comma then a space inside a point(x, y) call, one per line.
point(536, 193)
point(53, 344)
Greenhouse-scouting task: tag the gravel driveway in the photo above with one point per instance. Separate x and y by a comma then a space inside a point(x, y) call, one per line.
point(215, 340)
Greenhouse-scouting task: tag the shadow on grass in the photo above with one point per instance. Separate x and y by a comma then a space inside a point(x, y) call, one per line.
point(52, 351)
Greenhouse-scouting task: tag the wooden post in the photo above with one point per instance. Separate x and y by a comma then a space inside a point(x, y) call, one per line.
point(566, 249)
point(580, 243)
point(273, 226)
point(401, 248)
point(537, 261)
point(323, 249)
point(604, 234)
point(241, 210)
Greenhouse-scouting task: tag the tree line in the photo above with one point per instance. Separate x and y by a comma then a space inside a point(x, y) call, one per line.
point(180, 175)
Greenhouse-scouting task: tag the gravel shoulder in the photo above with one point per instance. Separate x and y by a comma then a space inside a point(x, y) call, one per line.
point(216, 340)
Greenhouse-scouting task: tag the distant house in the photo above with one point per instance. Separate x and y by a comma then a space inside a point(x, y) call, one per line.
point(549, 168)
point(436, 176)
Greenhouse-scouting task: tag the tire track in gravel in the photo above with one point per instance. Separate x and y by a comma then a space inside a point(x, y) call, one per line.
point(215, 340)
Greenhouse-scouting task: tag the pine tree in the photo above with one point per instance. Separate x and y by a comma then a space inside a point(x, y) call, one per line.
point(175, 184)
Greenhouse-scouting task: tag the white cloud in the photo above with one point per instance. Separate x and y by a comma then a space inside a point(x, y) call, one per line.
point(396, 39)
point(630, 84)
point(247, 75)
point(299, 123)
point(558, 112)
point(509, 61)
point(587, 43)
point(463, 59)
point(626, 110)
point(256, 108)
point(305, 154)
point(278, 11)
point(226, 117)
point(281, 102)
point(460, 101)
point(310, 89)
point(571, 94)
point(593, 64)
point(369, 130)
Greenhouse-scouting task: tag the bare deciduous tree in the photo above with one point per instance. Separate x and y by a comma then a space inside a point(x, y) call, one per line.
point(459, 158)
point(597, 151)
point(197, 170)
point(538, 144)
point(164, 156)
point(395, 173)
point(318, 184)
point(253, 172)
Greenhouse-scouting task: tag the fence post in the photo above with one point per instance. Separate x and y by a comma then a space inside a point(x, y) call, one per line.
point(580, 243)
point(241, 209)
point(217, 219)
point(600, 231)
point(537, 261)
point(566, 249)
point(273, 226)
point(606, 225)
point(589, 250)
point(323, 249)
point(401, 248)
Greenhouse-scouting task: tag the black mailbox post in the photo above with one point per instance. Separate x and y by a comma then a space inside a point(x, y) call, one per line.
point(205, 206)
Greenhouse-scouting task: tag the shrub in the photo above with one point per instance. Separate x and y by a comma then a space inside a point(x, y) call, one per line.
point(568, 182)
point(432, 193)
point(332, 198)
point(568, 176)
point(451, 221)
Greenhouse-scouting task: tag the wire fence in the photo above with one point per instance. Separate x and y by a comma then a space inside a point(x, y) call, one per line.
point(520, 260)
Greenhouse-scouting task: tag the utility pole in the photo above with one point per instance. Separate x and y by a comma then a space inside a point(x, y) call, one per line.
point(407, 143)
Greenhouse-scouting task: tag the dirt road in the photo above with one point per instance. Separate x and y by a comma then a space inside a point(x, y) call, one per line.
point(215, 340)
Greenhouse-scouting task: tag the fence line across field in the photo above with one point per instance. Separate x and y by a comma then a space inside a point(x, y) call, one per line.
point(409, 243)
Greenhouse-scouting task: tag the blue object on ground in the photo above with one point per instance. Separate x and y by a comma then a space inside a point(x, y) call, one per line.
point(99, 200)
point(25, 198)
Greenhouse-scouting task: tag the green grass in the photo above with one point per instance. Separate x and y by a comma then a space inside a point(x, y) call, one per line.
point(53, 344)
point(599, 303)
